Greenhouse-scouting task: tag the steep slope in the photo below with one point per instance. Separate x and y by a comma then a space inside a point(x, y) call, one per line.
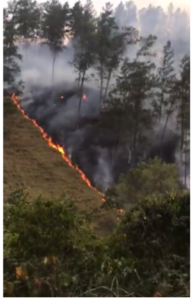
point(30, 164)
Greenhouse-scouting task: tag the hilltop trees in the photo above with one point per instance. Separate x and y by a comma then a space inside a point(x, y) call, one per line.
point(58, 253)
point(129, 97)
point(134, 93)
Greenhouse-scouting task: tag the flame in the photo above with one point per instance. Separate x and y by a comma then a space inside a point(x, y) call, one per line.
point(59, 148)
point(84, 97)
point(61, 97)
point(54, 146)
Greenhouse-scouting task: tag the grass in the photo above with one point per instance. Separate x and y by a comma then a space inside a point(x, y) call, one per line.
point(31, 165)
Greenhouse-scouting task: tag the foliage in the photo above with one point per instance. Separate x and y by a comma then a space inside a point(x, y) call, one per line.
point(153, 178)
point(11, 56)
point(156, 235)
point(50, 250)
point(26, 16)
point(49, 246)
point(53, 26)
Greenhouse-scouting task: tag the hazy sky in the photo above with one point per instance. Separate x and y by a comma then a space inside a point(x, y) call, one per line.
point(140, 3)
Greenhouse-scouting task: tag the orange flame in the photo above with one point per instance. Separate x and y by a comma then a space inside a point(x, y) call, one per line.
point(58, 148)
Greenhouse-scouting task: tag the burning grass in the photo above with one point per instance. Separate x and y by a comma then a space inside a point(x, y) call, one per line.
point(30, 164)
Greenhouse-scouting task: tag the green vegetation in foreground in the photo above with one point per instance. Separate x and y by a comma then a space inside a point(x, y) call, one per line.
point(31, 165)
point(50, 250)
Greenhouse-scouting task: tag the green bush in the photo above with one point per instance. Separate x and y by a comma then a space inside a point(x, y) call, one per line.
point(156, 234)
point(150, 179)
point(50, 250)
point(51, 230)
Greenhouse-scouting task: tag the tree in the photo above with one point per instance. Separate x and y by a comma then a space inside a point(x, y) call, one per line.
point(84, 49)
point(10, 53)
point(183, 115)
point(184, 99)
point(167, 89)
point(132, 91)
point(153, 178)
point(54, 22)
point(165, 81)
point(118, 45)
point(76, 21)
point(26, 16)
point(107, 30)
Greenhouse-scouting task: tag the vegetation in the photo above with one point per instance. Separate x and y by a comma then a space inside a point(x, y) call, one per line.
point(50, 250)
point(32, 166)
point(75, 245)
point(151, 179)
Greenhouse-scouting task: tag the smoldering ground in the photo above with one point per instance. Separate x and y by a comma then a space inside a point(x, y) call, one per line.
point(90, 147)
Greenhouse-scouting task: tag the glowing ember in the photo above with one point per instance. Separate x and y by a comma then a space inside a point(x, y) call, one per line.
point(58, 148)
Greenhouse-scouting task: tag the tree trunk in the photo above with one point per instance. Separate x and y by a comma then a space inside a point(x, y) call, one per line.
point(182, 125)
point(135, 141)
point(115, 151)
point(79, 79)
point(107, 86)
point(81, 94)
point(101, 88)
point(161, 106)
point(166, 122)
point(53, 68)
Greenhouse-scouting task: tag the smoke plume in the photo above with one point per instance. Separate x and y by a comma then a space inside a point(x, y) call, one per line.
point(55, 109)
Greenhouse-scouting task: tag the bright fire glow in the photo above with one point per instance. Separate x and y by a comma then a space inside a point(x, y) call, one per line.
point(58, 148)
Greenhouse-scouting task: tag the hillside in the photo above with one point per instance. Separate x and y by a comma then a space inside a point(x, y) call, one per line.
point(30, 164)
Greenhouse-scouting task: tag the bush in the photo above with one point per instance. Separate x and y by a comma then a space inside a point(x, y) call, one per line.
point(50, 240)
point(50, 250)
point(150, 179)
point(156, 234)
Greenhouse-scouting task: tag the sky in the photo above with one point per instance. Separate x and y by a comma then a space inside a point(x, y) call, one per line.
point(140, 3)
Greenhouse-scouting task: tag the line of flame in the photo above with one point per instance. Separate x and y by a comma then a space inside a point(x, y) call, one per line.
point(58, 148)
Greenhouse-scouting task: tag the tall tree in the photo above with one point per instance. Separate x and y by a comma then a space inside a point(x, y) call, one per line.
point(84, 48)
point(165, 80)
point(54, 27)
point(11, 55)
point(76, 21)
point(183, 115)
point(167, 92)
point(131, 94)
point(26, 16)
point(106, 27)
point(111, 44)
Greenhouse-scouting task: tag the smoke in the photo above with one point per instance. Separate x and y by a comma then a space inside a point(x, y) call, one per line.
point(171, 24)
point(55, 109)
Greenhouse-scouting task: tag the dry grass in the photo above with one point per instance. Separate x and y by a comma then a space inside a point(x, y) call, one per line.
point(30, 164)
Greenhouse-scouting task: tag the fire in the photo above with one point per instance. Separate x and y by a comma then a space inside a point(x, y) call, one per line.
point(58, 148)
point(61, 97)
point(84, 97)
point(54, 146)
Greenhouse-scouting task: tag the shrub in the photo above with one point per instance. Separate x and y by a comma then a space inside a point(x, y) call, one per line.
point(156, 234)
point(50, 250)
point(150, 179)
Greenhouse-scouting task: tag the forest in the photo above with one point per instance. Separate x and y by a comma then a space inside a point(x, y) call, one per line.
point(113, 89)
